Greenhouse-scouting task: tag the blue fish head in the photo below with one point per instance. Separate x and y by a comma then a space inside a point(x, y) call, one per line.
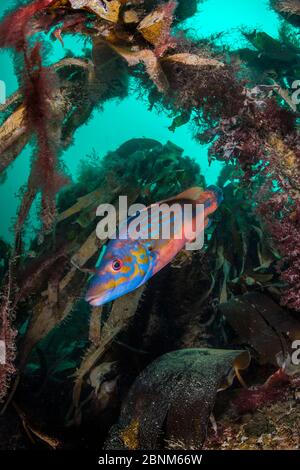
point(122, 268)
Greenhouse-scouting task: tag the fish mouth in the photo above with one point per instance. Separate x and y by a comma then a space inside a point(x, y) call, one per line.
point(97, 297)
point(95, 301)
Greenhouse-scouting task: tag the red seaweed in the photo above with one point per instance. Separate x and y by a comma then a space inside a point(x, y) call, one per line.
point(13, 28)
point(262, 139)
point(40, 88)
point(252, 399)
point(166, 40)
point(7, 336)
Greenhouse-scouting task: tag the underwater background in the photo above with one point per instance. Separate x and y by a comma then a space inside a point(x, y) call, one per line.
point(150, 99)
point(121, 120)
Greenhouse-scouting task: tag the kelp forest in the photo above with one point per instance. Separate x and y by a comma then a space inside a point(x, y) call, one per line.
point(205, 354)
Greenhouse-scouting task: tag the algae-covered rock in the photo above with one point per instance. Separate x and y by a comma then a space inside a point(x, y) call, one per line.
point(173, 398)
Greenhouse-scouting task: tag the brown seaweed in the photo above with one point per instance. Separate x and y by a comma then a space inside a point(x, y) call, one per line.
point(227, 296)
point(261, 325)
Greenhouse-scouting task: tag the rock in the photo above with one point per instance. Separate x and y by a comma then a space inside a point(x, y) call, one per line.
point(173, 398)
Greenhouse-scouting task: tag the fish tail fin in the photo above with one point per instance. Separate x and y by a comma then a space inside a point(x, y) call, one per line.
point(217, 192)
point(208, 223)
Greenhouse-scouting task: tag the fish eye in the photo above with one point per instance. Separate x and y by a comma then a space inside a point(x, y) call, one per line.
point(116, 264)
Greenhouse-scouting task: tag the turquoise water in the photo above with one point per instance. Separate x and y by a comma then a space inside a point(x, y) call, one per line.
point(120, 121)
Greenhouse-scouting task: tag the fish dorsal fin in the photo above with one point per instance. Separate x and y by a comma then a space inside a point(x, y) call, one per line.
point(192, 194)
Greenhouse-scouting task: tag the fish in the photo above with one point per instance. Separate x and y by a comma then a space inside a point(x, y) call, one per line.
point(126, 263)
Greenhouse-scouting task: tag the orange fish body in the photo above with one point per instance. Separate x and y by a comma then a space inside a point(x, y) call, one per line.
point(130, 261)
